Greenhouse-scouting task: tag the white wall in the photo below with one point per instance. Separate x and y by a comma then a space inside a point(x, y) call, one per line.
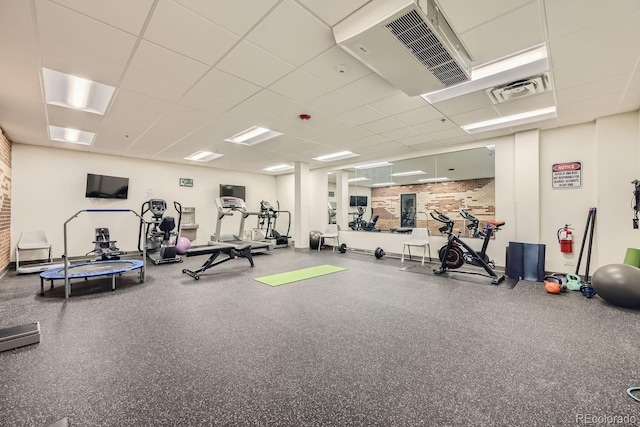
point(48, 187)
point(566, 206)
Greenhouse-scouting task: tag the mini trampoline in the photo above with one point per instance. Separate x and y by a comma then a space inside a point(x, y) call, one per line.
point(93, 269)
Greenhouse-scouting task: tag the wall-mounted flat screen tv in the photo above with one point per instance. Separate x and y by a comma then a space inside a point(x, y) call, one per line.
point(358, 201)
point(107, 187)
point(233, 191)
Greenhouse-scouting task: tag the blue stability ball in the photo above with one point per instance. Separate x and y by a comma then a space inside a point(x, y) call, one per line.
point(314, 239)
point(618, 284)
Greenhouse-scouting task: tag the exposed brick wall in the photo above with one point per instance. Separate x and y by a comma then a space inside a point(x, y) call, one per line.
point(446, 197)
point(5, 201)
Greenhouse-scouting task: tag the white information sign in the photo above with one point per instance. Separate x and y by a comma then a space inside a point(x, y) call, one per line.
point(567, 175)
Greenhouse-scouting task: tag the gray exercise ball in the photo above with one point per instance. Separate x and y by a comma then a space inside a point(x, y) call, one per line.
point(314, 239)
point(618, 284)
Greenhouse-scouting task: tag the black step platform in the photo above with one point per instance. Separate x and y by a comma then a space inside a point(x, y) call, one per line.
point(19, 336)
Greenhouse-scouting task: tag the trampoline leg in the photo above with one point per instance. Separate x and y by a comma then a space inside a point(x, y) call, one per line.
point(113, 282)
point(41, 286)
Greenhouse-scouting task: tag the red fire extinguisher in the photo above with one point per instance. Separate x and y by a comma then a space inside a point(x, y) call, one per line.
point(565, 237)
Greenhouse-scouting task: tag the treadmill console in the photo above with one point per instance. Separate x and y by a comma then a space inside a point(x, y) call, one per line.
point(228, 202)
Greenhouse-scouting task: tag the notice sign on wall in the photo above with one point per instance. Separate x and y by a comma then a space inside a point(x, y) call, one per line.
point(567, 175)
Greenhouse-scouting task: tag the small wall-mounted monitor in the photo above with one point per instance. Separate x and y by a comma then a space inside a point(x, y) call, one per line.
point(358, 201)
point(233, 191)
point(106, 187)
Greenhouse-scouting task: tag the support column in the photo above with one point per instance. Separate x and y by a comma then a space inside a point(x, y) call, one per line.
point(301, 216)
point(342, 199)
point(527, 186)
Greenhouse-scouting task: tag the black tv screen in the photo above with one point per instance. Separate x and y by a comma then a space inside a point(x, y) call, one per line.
point(107, 187)
point(233, 191)
point(358, 201)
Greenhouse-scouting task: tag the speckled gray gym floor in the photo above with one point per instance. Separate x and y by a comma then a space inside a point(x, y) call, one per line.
point(374, 345)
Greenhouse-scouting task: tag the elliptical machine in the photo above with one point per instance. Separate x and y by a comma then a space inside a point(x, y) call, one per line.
point(267, 218)
point(157, 235)
point(455, 253)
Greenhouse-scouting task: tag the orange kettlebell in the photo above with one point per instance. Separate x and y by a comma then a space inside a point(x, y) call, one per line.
point(553, 284)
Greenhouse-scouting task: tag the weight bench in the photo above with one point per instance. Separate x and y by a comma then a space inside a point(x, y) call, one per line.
point(232, 251)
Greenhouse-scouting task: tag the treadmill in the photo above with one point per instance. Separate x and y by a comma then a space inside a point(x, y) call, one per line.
point(228, 205)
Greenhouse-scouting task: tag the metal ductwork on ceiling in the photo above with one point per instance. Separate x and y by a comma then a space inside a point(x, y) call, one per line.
point(407, 42)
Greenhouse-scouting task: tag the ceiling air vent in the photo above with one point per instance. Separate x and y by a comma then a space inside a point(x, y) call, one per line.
point(407, 42)
point(519, 89)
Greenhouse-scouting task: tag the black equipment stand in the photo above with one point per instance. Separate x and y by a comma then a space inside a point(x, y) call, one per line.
point(591, 223)
point(232, 252)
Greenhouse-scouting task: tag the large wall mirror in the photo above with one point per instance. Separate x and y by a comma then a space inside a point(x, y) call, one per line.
point(398, 195)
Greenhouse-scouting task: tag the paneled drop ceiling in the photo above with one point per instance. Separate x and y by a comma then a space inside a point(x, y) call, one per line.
point(190, 73)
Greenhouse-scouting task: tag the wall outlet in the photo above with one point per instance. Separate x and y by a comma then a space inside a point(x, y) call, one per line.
point(569, 263)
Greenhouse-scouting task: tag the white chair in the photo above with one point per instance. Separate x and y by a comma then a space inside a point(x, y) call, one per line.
point(419, 238)
point(32, 241)
point(331, 232)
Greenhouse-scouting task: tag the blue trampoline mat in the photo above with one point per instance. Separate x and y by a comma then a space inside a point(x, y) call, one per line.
point(93, 269)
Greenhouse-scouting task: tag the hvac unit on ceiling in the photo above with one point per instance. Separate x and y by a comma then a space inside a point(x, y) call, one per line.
point(519, 89)
point(407, 42)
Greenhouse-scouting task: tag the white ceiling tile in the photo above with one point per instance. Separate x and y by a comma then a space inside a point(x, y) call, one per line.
point(593, 89)
point(462, 19)
point(190, 35)
point(474, 116)
point(253, 64)
point(156, 87)
point(534, 102)
point(110, 12)
point(401, 133)
point(324, 67)
point(336, 102)
point(15, 15)
point(22, 119)
point(82, 33)
point(415, 140)
point(435, 126)
point(171, 127)
point(301, 86)
point(370, 140)
point(226, 86)
point(421, 146)
point(462, 104)
point(383, 125)
point(18, 46)
point(423, 114)
point(361, 115)
point(635, 80)
point(276, 104)
point(206, 102)
point(225, 13)
point(67, 117)
point(132, 113)
point(398, 103)
point(447, 134)
point(598, 40)
point(24, 78)
point(162, 62)
point(82, 64)
point(512, 32)
point(564, 18)
point(370, 88)
point(630, 101)
point(589, 109)
point(292, 33)
point(593, 69)
point(331, 12)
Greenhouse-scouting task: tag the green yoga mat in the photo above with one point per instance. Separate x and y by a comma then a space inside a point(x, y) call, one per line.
point(297, 275)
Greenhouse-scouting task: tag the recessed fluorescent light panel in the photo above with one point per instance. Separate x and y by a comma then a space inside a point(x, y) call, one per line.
point(203, 156)
point(443, 178)
point(374, 165)
point(384, 184)
point(519, 66)
point(74, 136)
point(513, 120)
point(252, 136)
point(278, 168)
point(408, 173)
point(335, 156)
point(66, 90)
point(361, 178)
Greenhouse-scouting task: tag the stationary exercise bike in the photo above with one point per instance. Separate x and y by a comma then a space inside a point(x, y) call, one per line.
point(159, 230)
point(456, 252)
